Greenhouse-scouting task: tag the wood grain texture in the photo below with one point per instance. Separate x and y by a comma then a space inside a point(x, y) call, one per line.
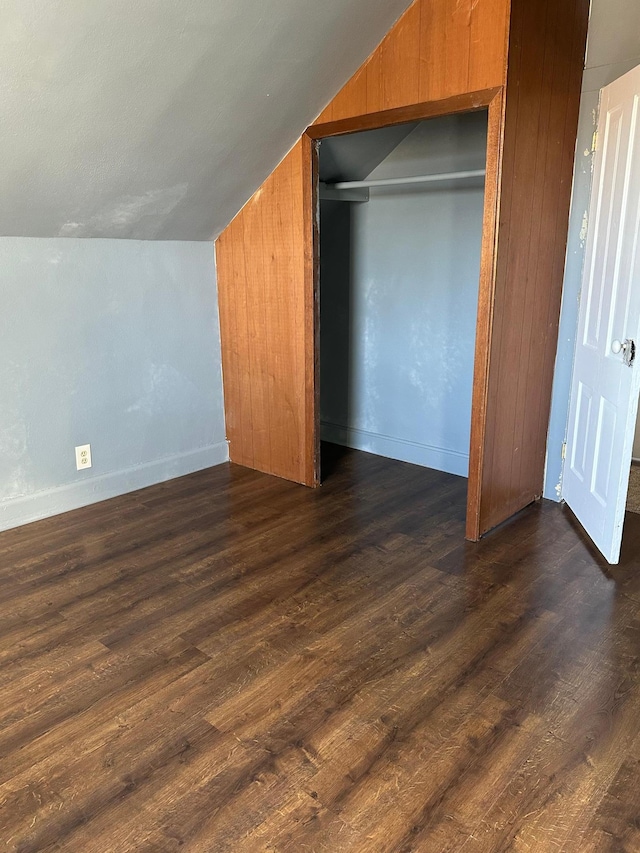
point(264, 262)
point(485, 315)
point(436, 50)
point(467, 102)
point(311, 284)
point(442, 55)
point(542, 100)
point(229, 662)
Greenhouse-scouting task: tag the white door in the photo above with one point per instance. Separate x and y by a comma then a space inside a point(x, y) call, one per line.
point(606, 373)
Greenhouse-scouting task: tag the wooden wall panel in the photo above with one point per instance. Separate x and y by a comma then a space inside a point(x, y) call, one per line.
point(263, 259)
point(489, 25)
point(399, 61)
point(542, 100)
point(442, 54)
point(438, 49)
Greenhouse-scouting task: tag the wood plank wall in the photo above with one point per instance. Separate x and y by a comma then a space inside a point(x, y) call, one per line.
point(547, 46)
point(263, 260)
point(438, 49)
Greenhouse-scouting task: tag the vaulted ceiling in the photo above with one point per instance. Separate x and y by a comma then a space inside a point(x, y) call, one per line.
point(157, 119)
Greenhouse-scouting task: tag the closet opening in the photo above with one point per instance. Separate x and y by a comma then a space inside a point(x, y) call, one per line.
point(400, 236)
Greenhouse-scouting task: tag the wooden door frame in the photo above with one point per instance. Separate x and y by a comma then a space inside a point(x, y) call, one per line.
point(493, 101)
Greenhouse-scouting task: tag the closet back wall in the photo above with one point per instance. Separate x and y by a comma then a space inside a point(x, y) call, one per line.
point(398, 296)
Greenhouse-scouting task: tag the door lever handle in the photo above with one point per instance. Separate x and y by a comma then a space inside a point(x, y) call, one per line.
point(627, 348)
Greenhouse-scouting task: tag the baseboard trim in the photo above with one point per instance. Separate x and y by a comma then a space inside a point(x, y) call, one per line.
point(429, 456)
point(15, 512)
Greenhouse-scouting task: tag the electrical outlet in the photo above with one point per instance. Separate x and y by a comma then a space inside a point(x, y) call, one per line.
point(83, 456)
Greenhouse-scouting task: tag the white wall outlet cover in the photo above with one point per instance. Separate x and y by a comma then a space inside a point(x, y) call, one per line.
point(83, 456)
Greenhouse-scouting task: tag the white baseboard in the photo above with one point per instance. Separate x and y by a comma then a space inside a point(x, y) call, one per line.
point(440, 458)
point(22, 510)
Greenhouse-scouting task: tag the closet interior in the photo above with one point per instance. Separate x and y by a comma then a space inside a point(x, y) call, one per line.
point(401, 218)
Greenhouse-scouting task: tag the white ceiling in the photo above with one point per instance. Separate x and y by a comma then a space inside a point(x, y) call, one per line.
point(157, 119)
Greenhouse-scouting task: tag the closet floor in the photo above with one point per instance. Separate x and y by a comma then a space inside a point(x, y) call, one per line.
point(230, 662)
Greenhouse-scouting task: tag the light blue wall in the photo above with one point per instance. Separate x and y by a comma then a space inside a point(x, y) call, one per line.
point(113, 343)
point(614, 48)
point(399, 288)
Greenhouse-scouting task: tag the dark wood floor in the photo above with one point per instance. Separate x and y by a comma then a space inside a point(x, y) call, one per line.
point(228, 662)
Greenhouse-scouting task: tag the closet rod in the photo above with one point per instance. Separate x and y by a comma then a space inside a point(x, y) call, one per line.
point(415, 179)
